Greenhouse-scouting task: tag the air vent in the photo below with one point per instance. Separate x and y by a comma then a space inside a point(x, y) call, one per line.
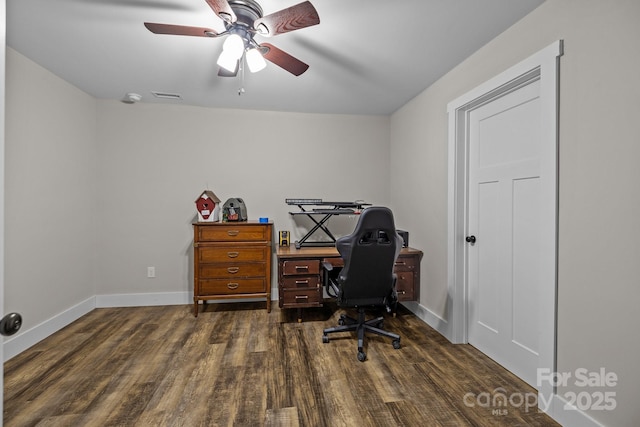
point(166, 95)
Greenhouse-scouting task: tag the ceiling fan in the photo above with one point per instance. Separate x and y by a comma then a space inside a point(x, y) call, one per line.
point(243, 20)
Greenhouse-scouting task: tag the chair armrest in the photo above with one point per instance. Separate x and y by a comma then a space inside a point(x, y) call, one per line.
point(329, 283)
point(327, 265)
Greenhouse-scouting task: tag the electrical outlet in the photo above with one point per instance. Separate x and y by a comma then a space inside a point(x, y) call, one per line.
point(151, 272)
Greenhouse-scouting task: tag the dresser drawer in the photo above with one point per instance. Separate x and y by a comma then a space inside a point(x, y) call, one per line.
point(301, 267)
point(300, 282)
point(233, 233)
point(232, 270)
point(404, 286)
point(231, 286)
point(232, 253)
point(301, 297)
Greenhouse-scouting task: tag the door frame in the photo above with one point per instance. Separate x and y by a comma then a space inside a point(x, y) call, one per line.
point(543, 66)
point(3, 47)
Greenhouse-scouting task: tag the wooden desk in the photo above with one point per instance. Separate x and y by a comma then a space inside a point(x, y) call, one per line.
point(300, 281)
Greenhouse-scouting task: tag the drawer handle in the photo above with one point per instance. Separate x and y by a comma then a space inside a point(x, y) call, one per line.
point(401, 263)
point(233, 232)
point(233, 270)
point(232, 285)
point(403, 292)
point(302, 267)
point(302, 297)
point(302, 282)
point(233, 254)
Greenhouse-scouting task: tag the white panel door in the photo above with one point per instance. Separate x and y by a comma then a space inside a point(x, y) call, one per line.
point(505, 218)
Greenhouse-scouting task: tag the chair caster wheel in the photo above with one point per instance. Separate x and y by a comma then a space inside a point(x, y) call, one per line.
point(341, 322)
point(325, 339)
point(362, 356)
point(396, 344)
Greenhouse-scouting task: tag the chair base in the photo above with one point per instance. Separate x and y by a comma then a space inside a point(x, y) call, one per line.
point(361, 325)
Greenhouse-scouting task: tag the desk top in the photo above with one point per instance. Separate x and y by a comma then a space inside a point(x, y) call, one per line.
point(321, 251)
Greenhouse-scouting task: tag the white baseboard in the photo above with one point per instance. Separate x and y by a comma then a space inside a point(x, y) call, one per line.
point(144, 299)
point(19, 343)
point(568, 415)
point(429, 317)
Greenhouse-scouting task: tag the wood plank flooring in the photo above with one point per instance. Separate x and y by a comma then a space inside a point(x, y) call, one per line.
point(237, 365)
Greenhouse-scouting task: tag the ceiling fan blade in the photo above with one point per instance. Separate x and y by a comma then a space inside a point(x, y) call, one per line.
point(180, 30)
point(283, 60)
point(292, 18)
point(222, 9)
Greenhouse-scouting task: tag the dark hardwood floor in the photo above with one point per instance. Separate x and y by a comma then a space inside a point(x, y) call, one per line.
point(237, 365)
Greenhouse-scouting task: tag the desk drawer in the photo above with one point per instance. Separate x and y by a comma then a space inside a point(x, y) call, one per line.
point(301, 297)
point(300, 282)
point(233, 233)
point(405, 263)
point(232, 270)
point(301, 267)
point(232, 253)
point(404, 286)
point(232, 286)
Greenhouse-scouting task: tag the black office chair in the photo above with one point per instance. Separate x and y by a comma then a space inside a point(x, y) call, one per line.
point(367, 279)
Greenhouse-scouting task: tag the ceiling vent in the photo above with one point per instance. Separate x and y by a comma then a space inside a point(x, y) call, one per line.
point(166, 95)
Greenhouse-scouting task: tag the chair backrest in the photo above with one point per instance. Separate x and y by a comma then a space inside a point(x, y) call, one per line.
point(369, 254)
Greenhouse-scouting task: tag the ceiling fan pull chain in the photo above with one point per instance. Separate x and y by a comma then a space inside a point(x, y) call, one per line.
point(241, 90)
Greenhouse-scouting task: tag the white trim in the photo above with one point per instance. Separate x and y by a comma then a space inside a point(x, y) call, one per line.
point(543, 65)
point(429, 317)
point(144, 299)
point(568, 415)
point(19, 343)
point(3, 52)
point(155, 299)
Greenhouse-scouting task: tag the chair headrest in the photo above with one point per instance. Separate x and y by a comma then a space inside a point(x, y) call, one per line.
point(375, 217)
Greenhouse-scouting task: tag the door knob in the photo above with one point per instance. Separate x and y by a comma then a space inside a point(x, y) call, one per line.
point(471, 239)
point(10, 324)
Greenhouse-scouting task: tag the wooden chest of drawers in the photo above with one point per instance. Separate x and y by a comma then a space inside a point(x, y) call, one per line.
point(231, 260)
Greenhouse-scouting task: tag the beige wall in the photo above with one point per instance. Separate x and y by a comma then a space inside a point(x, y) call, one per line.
point(154, 160)
point(50, 181)
point(99, 190)
point(598, 285)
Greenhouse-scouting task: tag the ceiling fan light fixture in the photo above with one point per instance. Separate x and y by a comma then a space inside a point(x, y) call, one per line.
point(255, 60)
point(228, 61)
point(233, 46)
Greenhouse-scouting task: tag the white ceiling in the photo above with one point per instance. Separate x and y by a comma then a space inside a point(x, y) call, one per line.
point(365, 56)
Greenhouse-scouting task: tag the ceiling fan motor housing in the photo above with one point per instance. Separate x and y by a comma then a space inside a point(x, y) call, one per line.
point(247, 11)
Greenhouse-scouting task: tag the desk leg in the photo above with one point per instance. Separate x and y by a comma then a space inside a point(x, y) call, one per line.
point(195, 307)
point(299, 315)
point(268, 304)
